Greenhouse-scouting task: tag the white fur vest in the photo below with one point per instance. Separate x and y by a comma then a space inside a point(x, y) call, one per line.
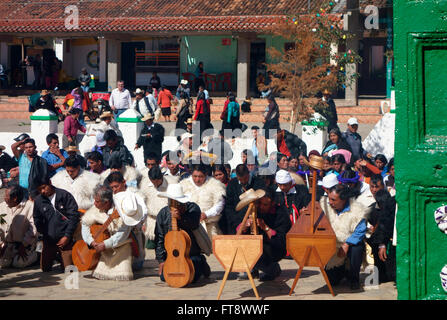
point(207, 195)
point(343, 224)
point(154, 204)
point(81, 188)
point(129, 174)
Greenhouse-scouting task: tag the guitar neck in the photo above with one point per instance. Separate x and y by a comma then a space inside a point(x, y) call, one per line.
point(105, 225)
point(174, 223)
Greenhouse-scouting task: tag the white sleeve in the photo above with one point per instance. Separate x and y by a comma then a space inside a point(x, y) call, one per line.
point(86, 234)
point(216, 209)
point(119, 237)
point(129, 97)
point(153, 102)
point(112, 100)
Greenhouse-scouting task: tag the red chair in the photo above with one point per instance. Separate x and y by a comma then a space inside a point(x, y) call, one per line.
point(225, 80)
point(210, 79)
point(189, 76)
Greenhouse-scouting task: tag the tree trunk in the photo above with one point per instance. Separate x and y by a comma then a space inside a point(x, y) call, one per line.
point(292, 122)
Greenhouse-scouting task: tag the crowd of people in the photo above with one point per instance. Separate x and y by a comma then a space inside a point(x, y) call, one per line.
point(55, 198)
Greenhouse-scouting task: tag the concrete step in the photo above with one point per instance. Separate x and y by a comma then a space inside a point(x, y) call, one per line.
point(362, 118)
point(15, 115)
point(359, 109)
point(371, 102)
point(5, 107)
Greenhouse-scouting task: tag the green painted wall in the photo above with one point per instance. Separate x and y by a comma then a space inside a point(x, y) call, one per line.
point(275, 42)
point(421, 145)
point(216, 57)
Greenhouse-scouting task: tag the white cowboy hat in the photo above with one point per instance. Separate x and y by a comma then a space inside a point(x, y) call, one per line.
point(148, 116)
point(184, 81)
point(139, 91)
point(128, 208)
point(175, 192)
point(248, 197)
point(185, 136)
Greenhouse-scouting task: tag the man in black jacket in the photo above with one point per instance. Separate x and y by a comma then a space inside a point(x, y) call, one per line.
point(354, 140)
point(273, 223)
point(6, 162)
point(56, 217)
point(289, 144)
point(381, 220)
point(290, 197)
point(115, 146)
point(151, 136)
point(46, 101)
point(244, 181)
point(187, 215)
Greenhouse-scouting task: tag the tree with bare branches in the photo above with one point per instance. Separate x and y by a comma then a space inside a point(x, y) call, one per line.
point(310, 61)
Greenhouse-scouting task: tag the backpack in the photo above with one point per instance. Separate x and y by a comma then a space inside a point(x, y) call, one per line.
point(224, 113)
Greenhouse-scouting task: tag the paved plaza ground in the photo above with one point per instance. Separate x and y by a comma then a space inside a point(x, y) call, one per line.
point(34, 284)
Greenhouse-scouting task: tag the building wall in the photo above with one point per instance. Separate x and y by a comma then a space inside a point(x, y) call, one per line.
point(216, 58)
point(272, 42)
point(79, 50)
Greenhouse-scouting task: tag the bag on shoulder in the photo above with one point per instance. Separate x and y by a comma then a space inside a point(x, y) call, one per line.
point(203, 240)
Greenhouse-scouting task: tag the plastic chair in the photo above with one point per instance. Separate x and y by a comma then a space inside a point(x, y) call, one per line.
point(224, 79)
point(211, 79)
point(189, 76)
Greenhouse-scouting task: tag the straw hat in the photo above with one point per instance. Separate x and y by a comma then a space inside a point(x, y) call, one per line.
point(72, 149)
point(148, 116)
point(128, 208)
point(315, 162)
point(106, 114)
point(189, 121)
point(248, 197)
point(2, 147)
point(175, 192)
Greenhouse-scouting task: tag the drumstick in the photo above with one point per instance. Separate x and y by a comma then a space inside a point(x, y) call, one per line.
point(238, 233)
point(314, 191)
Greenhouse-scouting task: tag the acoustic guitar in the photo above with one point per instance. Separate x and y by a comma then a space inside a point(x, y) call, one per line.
point(178, 269)
point(85, 258)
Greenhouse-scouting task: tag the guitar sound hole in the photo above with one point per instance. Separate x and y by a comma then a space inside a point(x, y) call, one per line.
point(175, 253)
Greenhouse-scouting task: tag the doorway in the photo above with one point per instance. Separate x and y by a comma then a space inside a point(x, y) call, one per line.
point(128, 70)
point(257, 60)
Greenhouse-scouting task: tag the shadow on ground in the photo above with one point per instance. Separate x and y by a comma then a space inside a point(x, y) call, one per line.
point(33, 279)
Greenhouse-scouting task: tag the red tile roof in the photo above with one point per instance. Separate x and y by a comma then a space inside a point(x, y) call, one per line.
point(37, 16)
